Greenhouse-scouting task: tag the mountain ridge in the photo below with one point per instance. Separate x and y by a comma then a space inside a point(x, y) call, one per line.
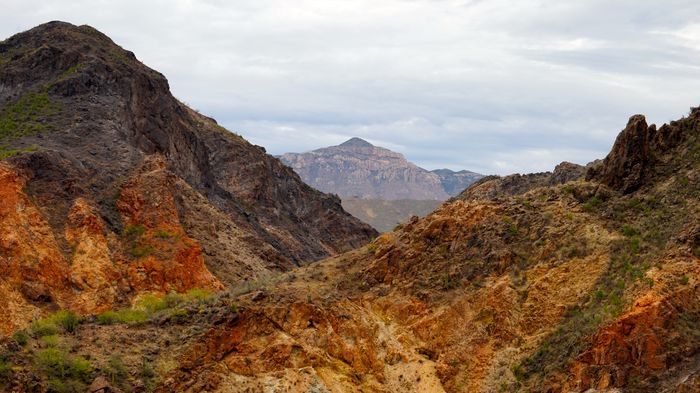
point(356, 168)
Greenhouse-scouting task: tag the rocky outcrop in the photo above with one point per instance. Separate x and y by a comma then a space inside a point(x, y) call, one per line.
point(495, 187)
point(357, 169)
point(633, 158)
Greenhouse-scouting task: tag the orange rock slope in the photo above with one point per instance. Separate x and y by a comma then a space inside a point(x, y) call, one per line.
point(88, 268)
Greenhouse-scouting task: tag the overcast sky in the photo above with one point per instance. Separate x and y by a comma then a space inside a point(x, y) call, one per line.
point(497, 86)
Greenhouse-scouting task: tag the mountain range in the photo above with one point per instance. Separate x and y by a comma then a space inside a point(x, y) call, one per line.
point(377, 185)
point(144, 248)
point(358, 169)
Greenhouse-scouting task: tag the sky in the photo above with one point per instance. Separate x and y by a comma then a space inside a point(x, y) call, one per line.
point(497, 86)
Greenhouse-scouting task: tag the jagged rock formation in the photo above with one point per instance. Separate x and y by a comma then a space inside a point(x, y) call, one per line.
point(111, 187)
point(496, 187)
point(635, 151)
point(357, 169)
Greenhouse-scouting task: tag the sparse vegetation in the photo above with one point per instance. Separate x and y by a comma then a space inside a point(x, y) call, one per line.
point(116, 370)
point(164, 234)
point(21, 337)
point(142, 251)
point(133, 232)
point(29, 115)
point(592, 204)
point(66, 373)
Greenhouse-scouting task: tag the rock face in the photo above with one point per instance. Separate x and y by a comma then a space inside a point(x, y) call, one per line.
point(357, 169)
point(111, 187)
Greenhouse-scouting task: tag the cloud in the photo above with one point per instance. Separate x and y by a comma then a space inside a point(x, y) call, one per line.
point(494, 86)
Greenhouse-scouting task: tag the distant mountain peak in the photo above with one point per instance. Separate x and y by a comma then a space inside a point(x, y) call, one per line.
point(356, 142)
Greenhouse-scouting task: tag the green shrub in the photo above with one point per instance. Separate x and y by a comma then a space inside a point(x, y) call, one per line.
point(116, 370)
point(152, 304)
point(629, 231)
point(20, 337)
point(65, 386)
point(80, 368)
point(68, 320)
point(592, 203)
point(198, 294)
point(5, 369)
point(134, 232)
point(50, 341)
point(54, 362)
point(43, 327)
point(164, 235)
point(57, 364)
point(147, 373)
point(685, 280)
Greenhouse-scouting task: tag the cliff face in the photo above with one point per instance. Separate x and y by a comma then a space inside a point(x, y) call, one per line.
point(112, 187)
point(358, 169)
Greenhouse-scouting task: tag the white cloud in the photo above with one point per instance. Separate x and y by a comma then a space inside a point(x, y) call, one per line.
point(495, 86)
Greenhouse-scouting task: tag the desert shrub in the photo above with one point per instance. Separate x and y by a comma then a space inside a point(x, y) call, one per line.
point(134, 232)
point(592, 204)
point(629, 231)
point(43, 327)
point(147, 373)
point(59, 365)
point(198, 294)
point(21, 337)
point(68, 320)
point(164, 235)
point(50, 341)
point(116, 370)
point(65, 386)
point(5, 368)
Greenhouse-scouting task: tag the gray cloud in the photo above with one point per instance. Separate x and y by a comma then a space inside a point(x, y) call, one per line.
point(494, 86)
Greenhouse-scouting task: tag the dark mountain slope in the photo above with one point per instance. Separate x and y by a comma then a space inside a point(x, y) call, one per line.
point(81, 119)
